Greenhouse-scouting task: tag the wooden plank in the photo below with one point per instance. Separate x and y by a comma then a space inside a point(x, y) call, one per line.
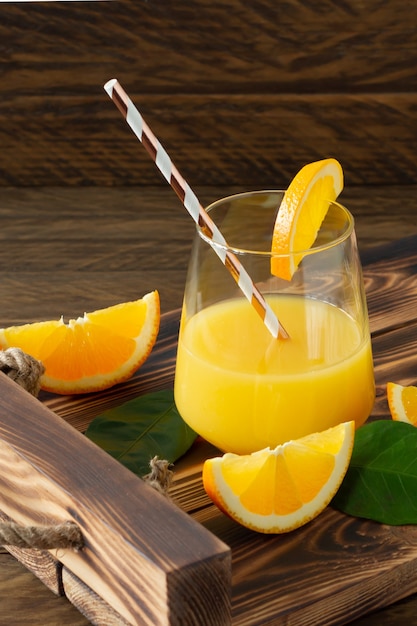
point(269, 135)
point(89, 603)
point(35, 219)
point(329, 572)
point(58, 243)
point(244, 94)
point(130, 558)
point(239, 47)
point(105, 255)
point(391, 270)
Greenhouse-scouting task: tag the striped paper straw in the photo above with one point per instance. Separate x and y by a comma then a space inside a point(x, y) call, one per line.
point(193, 206)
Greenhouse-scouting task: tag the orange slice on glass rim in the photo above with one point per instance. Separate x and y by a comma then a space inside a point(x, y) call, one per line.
point(278, 490)
point(93, 352)
point(301, 213)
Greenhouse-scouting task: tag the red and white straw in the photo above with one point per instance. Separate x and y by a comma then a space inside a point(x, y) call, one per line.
point(193, 206)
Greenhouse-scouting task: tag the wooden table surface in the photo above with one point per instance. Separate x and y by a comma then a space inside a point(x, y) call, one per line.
point(67, 250)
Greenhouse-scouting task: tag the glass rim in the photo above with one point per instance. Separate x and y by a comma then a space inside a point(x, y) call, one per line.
point(248, 251)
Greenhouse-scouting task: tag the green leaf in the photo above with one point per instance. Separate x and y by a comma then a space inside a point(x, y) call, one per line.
point(144, 427)
point(381, 481)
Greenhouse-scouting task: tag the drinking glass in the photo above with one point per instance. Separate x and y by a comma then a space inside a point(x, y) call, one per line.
point(238, 386)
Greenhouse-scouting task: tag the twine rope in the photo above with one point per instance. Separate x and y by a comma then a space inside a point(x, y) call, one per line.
point(26, 371)
point(160, 476)
point(65, 535)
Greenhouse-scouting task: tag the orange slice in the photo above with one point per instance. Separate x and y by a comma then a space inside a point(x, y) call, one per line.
point(275, 491)
point(402, 402)
point(301, 213)
point(93, 352)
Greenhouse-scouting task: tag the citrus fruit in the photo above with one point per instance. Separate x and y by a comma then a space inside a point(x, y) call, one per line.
point(302, 210)
point(402, 402)
point(278, 490)
point(93, 352)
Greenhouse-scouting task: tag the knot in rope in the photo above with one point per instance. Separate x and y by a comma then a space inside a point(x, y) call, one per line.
point(160, 476)
point(23, 368)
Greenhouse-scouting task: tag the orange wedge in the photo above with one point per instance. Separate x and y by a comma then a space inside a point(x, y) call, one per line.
point(275, 491)
point(93, 352)
point(402, 402)
point(301, 213)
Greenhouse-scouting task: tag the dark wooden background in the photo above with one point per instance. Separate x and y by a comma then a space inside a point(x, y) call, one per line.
point(239, 92)
point(242, 93)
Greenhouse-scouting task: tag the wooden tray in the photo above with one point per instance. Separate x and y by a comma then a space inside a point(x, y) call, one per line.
point(152, 560)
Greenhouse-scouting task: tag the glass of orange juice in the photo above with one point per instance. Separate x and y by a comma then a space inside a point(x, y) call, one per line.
point(236, 385)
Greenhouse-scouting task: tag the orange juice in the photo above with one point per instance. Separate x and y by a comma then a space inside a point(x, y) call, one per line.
point(242, 390)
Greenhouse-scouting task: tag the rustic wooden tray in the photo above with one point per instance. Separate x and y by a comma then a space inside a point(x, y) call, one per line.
point(177, 561)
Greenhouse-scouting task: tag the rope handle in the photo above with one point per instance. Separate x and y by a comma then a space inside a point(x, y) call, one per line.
point(26, 371)
point(23, 368)
point(65, 535)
